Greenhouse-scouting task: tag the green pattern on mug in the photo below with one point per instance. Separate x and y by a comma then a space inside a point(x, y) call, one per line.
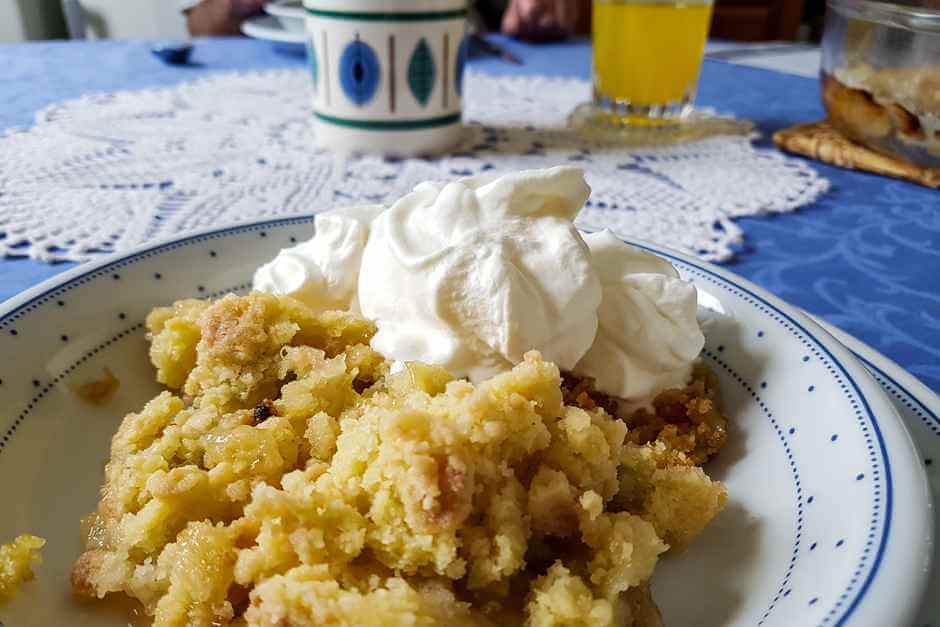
point(312, 60)
point(421, 72)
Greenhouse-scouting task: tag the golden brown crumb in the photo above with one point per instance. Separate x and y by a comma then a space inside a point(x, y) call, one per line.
point(579, 391)
point(661, 486)
point(17, 561)
point(174, 333)
point(688, 421)
point(99, 391)
point(291, 480)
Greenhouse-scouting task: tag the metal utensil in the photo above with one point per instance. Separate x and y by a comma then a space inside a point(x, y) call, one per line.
point(479, 46)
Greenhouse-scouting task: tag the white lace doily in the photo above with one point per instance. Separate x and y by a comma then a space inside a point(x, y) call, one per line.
point(107, 172)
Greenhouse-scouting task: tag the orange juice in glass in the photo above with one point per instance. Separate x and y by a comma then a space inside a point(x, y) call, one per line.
point(647, 56)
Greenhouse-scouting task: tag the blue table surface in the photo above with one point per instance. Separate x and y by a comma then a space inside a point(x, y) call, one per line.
point(866, 257)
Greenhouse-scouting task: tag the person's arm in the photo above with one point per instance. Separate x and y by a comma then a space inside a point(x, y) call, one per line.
point(546, 20)
point(218, 17)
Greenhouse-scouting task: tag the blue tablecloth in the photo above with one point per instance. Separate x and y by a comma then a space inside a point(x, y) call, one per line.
point(866, 257)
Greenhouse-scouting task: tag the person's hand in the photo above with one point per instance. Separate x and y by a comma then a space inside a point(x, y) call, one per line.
point(220, 17)
point(246, 8)
point(541, 20)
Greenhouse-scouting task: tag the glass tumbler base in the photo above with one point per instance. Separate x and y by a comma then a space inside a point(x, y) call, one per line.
point(637, 127)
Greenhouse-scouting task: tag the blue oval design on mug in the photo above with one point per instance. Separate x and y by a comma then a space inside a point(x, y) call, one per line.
point(462, 53)
point(359, 72)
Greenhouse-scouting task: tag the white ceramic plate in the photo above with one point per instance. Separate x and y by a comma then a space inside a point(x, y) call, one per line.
point(269, 28)
point(289, 13)
point(829, 510)
point(919, 407)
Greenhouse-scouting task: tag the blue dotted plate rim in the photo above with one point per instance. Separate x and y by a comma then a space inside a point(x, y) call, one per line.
point(725, 279)
point(22, 304)
point(905, 395)
point(912, 396)
point(920, 400)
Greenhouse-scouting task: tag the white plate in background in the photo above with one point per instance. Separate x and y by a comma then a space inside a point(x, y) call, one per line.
point(269, 28)
point(290, 14)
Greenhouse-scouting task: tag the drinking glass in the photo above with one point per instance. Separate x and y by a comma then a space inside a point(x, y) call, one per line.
point(647, 57)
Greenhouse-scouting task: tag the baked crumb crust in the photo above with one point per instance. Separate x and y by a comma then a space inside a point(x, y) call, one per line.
point(687, 421)
point(867, 103)
point(287, 478)
point(17, 561)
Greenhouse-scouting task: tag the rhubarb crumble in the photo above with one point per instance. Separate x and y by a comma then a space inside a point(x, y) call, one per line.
point(289, 475)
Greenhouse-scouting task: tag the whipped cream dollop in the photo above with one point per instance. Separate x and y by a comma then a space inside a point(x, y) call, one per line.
point(648, 334)
point(323, 272)
point(472, 274)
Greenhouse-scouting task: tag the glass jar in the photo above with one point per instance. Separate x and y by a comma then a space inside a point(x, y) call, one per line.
point(881, 75)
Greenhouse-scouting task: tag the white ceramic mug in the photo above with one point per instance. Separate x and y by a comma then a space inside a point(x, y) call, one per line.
point(387, 74)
